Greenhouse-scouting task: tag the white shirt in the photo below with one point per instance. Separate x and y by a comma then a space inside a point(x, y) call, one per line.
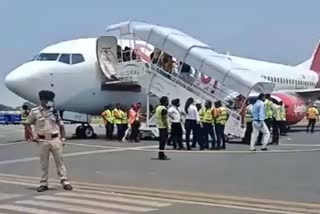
point(192, 113)
point(174, 114)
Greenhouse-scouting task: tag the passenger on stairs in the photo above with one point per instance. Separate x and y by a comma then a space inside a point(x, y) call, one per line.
point(167, 64)
point(155, 56)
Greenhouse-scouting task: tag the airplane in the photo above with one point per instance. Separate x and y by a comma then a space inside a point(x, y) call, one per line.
point(72, 70)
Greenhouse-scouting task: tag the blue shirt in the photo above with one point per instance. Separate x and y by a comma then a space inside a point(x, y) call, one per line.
point(258, 111)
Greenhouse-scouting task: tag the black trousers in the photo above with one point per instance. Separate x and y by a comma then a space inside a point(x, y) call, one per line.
point(207, 129)
point(163, 138)
point(135, 131)
point(247, 135)
point(176, 135)
point(311, 124)
point(283, 127)
point(221, 141)
point(120, 131)
point(191, 126)
point(275, 131)
point(109, 130)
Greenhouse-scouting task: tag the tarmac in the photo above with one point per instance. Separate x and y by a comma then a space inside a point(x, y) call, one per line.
point(113, 177)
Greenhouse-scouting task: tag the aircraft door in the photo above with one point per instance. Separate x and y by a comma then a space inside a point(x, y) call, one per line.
point(107, 55)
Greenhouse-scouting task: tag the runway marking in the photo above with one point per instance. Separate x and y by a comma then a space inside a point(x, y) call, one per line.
point(300, 145)
point(214, 200)
point(96, 203)
point(12, 143)
point(21, 209)
point(6, 196)
point(100, 196)
point(72, 154)
point(66, 207)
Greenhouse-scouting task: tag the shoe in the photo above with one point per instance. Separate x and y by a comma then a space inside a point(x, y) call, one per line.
point(253, 150)
point(42, 188)
point(67, 187)
point(164, 158)
point(264, 149)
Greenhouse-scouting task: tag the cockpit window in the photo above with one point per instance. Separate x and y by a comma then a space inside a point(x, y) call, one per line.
point(65, 58)
point(47, 57)
point(77, 58)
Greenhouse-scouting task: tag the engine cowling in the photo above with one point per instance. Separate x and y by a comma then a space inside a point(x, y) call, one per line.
point(296, 110)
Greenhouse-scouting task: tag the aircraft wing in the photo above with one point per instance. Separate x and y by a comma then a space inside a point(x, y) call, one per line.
point(313, 92)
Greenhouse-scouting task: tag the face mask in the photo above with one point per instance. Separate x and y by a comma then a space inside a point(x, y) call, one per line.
point(50, 104)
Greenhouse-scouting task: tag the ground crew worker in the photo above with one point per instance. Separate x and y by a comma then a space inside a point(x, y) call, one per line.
point(207, 120)
point(24, 116)
point(50, 134)
point(163, 126)
point(174, 114)
point(108, 120)
point(258, 124)
point(134, 121)
point(248, 120)
point(276, 124)
point(268, 111)
point(283, 123)
point(221, 117)
point(124, 123)
point(312, 116)
point(118, 116)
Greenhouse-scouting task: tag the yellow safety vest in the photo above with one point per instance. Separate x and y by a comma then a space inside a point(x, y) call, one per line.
point(249, 116)
point(206, 115)
point(268, 109)
point(160, 123)
point(24, 116)
point(107, 114)
point(223, 116)
point(117, 116)
point(283, 113)
point(124, 117)
point(312, 113)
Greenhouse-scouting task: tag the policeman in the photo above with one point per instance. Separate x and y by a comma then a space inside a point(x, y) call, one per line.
point(162, 125)
point(108, 120)
point(312, 116)
point(248, 120)
point(206, 119)
point(50, 134)
point(198, 134)
point(221, 115)
point(24, 116)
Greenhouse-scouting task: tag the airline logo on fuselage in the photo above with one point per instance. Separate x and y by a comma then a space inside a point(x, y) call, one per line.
point(299, 108)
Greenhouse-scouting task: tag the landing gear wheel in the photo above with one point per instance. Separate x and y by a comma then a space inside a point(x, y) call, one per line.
point(80, 132)
point(89, 132)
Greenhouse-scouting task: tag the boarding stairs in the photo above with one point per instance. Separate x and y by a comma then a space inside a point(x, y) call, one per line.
point(155, 80)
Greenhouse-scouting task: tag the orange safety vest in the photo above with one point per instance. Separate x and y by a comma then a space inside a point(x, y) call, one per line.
point(133, 116)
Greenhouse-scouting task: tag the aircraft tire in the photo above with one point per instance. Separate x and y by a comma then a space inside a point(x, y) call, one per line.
point(89, 132)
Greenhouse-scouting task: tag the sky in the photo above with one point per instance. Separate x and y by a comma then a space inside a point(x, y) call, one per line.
point(284, 31)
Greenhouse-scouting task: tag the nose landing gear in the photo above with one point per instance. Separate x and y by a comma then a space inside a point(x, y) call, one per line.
point(85, 131)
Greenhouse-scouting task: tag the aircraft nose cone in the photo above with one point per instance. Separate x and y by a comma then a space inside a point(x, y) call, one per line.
point(12, 81)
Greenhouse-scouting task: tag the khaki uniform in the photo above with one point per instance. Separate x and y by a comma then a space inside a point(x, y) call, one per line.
point(46, 125)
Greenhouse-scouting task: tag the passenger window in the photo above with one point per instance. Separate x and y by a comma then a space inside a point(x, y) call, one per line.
point(278, 80)
point(65, 58)
point(48, 57)
point(77, 58)
point(271, 78)
point(287, 81)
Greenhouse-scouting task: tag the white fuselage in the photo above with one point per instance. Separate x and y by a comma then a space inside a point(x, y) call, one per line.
point(78, 86)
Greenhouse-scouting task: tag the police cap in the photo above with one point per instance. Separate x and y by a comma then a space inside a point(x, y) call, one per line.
point(46, 95)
